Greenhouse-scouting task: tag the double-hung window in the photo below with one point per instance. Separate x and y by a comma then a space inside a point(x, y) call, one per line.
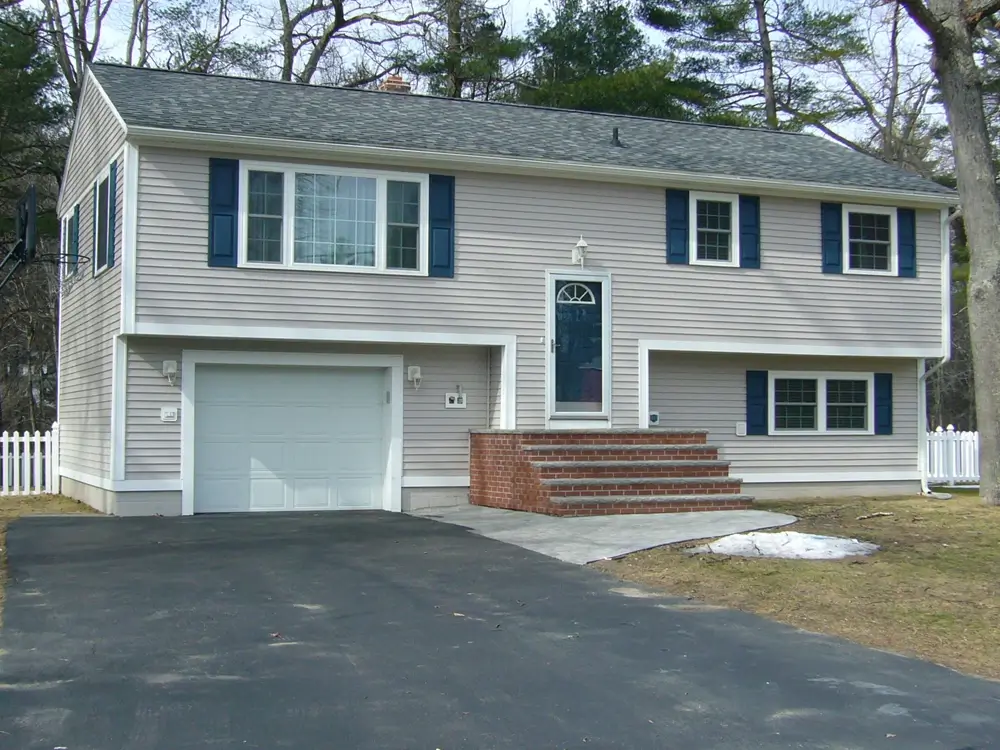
point(714, 223)
point(68, 252)
point(870, 240)
point(103, 240)
point(336, 220)
point(808, 402)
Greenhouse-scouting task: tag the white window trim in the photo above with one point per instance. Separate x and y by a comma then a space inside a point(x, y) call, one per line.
point(288, 217)
point(65, 227)
point(820, 378)
point(889, 211)
point(734, 244)
point(112, 200)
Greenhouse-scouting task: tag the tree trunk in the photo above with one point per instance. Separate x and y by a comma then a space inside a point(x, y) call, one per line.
point(770, 102)
point(961, 90)
point(453, 21)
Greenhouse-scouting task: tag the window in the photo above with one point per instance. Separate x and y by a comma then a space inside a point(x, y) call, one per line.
point(102, 223)
point(714, 221)
point(870, 242)
point(846, 405)
point(795, 404)
point(821, 402)
point(68, 250)
point(264, 211)
point(403, 222)
point(334, 220)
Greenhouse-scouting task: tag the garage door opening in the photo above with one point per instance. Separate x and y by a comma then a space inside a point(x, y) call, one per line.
point(282, 438)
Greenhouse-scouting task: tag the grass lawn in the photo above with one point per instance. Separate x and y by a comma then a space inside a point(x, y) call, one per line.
point(933, 590)
point(15, 506)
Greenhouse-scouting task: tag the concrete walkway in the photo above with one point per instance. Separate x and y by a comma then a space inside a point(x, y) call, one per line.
point(584, 540)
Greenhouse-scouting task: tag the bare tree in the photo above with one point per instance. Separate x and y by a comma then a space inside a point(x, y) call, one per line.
point(310, 29)
point(74, 28)
point(954, 27)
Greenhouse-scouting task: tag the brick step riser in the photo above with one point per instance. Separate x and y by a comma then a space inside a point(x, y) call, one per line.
point(600, 472)
point(653, 454)
point(583, 439)
point(632, 509)
point(611, 489)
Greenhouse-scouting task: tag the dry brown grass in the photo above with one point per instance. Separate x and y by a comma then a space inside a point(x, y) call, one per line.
point(933, 590)
point(16, 506)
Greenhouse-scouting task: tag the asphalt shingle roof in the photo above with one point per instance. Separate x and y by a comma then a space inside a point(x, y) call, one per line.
point(248, 107)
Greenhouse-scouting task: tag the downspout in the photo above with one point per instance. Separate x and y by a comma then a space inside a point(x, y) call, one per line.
point(946, 218)
point(922, 417)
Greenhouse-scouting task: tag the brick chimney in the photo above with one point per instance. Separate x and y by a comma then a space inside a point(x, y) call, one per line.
point(395, 84)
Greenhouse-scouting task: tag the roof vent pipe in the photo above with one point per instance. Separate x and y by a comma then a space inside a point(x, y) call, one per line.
point(614, 138)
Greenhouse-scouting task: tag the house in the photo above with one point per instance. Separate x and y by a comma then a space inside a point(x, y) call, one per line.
point(279, 296)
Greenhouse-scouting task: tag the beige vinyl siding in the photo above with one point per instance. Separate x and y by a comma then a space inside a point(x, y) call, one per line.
point(509, 231)
point(91, 306)
point(708, 391)
point(435, 439)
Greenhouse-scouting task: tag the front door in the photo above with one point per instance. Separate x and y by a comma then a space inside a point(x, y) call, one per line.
point(577, 349)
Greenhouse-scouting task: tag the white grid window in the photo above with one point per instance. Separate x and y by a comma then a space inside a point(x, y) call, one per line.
point(803, 403)
point(713, 229)
point(322, 218)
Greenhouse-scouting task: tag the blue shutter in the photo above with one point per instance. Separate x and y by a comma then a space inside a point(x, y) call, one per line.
point(757, 402)
point(906, 220)
point(442, 213)
point(223, 209)
point(677, 226)
point(74, 239)
point(832, 231)
point(883, 403)
point(749, 231)
point(112, 210)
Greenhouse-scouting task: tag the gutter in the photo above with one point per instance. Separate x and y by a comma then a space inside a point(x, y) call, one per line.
point(228, 144)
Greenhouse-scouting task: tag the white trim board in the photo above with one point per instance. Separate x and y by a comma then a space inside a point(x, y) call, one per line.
point(127, 485)
point(769, 346)
point(130, 224)
point(392, 363)
point(226, 143)
point(428, 481)
point(815, 477)
point(119, 390)
point(345, 335)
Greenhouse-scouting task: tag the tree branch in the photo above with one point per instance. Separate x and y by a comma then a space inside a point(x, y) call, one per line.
point(923, 17)
point(976, 12)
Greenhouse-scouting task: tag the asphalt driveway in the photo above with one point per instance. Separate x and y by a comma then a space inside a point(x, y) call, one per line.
point(373, 630)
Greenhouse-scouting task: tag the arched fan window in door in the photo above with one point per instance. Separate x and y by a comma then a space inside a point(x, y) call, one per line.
point(576, 294)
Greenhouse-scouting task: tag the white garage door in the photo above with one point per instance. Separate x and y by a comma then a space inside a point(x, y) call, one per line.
point(288, 438)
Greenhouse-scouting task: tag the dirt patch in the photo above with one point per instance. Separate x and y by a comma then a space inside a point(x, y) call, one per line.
point(16, 506)
point(932, 591)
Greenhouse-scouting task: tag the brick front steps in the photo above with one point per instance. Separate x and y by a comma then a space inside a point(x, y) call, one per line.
point(601, 472)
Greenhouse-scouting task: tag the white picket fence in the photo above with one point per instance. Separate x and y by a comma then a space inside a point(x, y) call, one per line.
point(28, 462)
point(952, 456)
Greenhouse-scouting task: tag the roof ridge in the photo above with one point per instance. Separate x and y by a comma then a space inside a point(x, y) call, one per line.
point(458, 101)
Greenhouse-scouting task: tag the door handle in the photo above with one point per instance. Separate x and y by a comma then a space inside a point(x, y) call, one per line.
point(553, 345)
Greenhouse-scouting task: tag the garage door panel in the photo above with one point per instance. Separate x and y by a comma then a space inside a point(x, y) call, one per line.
point(357, 456)
point(267, 457)
point(288, 438)
point(222, 494)
point(312, 494)
point(267, 493)
point(355, 493)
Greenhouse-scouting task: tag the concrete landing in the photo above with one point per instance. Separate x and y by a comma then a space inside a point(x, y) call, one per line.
point(584, 540)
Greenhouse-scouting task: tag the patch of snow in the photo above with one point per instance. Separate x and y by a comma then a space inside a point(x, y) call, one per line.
point(791, 545)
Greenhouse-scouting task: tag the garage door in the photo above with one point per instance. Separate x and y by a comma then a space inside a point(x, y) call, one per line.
point(288, 438)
